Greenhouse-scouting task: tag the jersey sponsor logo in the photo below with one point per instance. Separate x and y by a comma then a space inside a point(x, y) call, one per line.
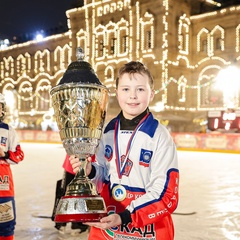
point(126, 132)
point(4, 208)
point(6, 212)
point(145, 157)
point(4, 183)
point(128, 231)
point(134, 196)
point(3, 141)
point(108, 153)
point(4, 179)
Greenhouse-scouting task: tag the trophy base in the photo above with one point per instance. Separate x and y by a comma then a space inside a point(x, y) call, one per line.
point(65, 218)
point(80, 209)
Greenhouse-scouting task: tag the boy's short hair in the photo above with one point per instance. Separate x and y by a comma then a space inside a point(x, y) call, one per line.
point(135, 67)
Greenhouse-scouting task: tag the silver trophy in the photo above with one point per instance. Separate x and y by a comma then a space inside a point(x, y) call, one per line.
point(79, 103)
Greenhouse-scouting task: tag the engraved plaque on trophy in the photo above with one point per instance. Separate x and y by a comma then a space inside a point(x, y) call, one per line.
point(79, 102)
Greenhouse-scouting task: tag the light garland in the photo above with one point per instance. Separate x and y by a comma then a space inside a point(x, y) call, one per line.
point(116, 42)
point(183, 34)
point(180, 84)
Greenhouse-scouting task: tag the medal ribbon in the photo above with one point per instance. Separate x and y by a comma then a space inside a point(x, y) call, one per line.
point(121, 167)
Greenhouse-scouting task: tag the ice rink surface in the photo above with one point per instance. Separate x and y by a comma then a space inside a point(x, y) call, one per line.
point(209, 206)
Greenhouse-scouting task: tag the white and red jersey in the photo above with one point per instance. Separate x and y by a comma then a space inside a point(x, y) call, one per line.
point(150, 177)
point(10, 144)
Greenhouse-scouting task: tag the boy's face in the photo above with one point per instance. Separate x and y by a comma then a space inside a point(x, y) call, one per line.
point(134, 94)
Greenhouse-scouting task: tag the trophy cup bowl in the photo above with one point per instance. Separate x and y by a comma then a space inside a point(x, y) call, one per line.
point(80, 109)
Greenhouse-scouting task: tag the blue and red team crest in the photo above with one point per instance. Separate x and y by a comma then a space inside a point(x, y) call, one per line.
point(145, 157)
point(3, 141)
point(108, 153)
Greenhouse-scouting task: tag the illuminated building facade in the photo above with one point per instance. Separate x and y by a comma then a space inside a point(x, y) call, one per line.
point(184, 53)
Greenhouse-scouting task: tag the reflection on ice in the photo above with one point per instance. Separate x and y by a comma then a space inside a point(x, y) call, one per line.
point(231, 227)
point(209, 185)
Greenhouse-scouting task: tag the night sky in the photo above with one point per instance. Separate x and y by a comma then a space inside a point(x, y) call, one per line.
point(21, 18)
point(24, 17)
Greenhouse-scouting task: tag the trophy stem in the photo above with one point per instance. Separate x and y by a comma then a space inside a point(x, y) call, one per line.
point(81, 185)
point(82, 170)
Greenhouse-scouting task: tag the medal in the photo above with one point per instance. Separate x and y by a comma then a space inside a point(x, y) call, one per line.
point(119, 193)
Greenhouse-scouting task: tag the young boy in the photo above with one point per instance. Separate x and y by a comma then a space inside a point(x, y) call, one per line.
point(136, 168)
point(10, 153)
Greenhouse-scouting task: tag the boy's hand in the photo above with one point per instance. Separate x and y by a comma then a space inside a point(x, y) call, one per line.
point(112, 220)
point(76, 163)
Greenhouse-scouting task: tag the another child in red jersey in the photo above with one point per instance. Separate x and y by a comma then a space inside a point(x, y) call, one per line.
point(10, 153)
